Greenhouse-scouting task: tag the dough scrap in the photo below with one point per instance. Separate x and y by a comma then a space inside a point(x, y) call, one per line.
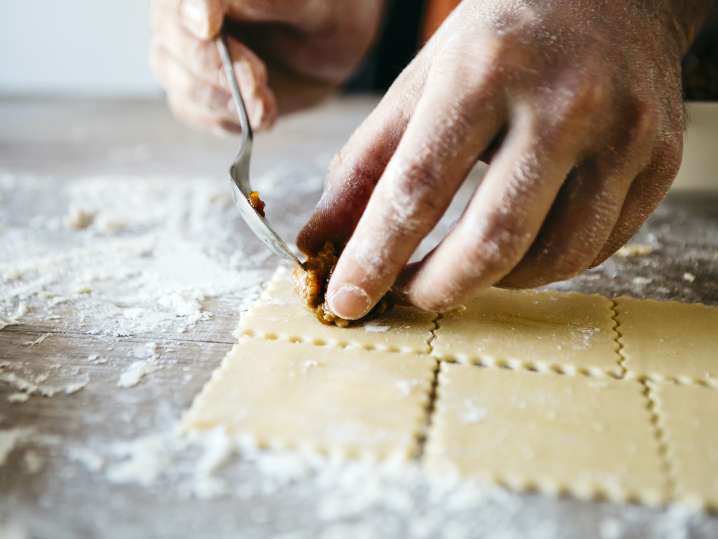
point(566, 332)
point(687, 414)
point(334, 400)
point(281, 314)
point(542, 431)
point(667, 340)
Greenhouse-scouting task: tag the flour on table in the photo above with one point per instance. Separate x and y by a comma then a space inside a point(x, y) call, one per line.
point(635, 249)
point(8, 440)
point(136, 371)
point(143, 461)
point(33, 461)
point(373, 327)
point(86, 457)
point(39, 340)
point(36, 387)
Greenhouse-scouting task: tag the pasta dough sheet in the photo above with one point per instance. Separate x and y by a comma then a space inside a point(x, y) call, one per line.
point(688, 416)
point(542, 431)
point(334, 400)
point(281, 314)
point(567, 332)
point(669, 340)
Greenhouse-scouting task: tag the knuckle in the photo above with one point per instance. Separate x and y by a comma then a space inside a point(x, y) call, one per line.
point(668, 161)
point(428, 300)
point(349, 169)
point(644, 112)
point(413, 186)
point(498, 245)
point(588, 95)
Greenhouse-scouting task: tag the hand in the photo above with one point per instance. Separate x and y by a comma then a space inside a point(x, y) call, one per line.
point(287, 54)
point(579, 105)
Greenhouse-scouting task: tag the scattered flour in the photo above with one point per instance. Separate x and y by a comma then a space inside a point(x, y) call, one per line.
point(473, 412)
point(143, 460)
point(39, 340)
point(635, 249)
point(33, 461)
point(79, 219)
point(13, 318)
point(86, 457)
point(373, 327)
point(9, 439)
point(136, 371)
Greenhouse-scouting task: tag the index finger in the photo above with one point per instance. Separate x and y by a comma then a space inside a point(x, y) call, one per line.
point(438, 149)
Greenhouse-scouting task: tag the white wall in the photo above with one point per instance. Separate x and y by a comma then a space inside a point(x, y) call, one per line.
point(75, 47)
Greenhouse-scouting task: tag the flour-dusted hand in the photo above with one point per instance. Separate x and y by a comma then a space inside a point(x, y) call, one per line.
point(287, 54)
point(577, 105)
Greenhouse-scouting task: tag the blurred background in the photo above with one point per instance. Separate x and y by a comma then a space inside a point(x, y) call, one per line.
point(86, 48)
point(82, 47)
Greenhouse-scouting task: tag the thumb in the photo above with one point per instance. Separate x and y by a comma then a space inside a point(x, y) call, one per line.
point(202, 18)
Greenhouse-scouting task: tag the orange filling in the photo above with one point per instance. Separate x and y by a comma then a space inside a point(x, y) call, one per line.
point(256, 202)
point(311, 281)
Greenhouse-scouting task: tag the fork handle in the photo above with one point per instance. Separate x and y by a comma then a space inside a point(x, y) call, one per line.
point(223, 49)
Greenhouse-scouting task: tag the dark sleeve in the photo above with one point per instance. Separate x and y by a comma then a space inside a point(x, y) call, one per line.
point(700, 66)
point(399, 40)
point(396, 45)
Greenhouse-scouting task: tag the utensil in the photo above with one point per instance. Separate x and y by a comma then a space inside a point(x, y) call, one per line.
point(239, 171)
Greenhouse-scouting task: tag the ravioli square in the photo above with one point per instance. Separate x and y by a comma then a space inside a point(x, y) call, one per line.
point(280, 313)
point(591, 437)
point(687, 414)
point(345, 401)
point(538, 330)
point(664, 340)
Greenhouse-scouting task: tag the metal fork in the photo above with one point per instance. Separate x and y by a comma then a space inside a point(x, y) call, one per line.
point(239, 171)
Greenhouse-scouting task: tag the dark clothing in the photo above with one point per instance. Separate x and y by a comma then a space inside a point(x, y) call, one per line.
point(399, 41)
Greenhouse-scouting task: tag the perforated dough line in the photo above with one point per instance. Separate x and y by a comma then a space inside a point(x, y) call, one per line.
point(659, 431)
point(618, 337)
point(203, 416)
point(489, 361)
point(280, 315)
point(331, 343)
point(430, 408)
point(586, 490)
point(566, 333)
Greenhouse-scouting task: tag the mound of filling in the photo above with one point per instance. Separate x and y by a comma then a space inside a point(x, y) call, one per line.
point(256, 202)
point(311, 281)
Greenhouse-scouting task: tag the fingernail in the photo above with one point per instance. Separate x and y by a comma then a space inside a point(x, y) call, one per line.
point(350, 302)
point(195, 15)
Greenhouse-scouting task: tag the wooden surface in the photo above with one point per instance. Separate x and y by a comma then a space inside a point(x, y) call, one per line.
point(49, 145)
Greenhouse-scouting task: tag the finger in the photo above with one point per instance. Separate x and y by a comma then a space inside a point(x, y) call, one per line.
point(587, 207)
point(504, 216)
point(188, 111)
point(577, 226)
point(300, 14)
point(440, 146)
point(646, 193)
point(203, 18)
point(358, 166)
point(179, 81)
point(201, 58)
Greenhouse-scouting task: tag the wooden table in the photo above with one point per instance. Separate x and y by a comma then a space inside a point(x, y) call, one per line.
point(56, 152)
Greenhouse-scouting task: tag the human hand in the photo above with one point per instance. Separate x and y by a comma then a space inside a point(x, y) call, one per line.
point(579, 105)
point(287, 54)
